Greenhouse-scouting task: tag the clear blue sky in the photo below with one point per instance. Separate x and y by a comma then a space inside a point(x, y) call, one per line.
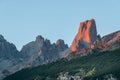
point(22, 20)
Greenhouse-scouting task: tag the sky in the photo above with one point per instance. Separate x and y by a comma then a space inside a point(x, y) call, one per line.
point(22, 20)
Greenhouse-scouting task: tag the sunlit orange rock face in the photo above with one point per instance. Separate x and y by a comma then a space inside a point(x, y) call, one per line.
point(86, 35)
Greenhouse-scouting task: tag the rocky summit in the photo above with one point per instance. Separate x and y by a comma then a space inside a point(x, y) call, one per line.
point(8, 50)
point(86, 35)
point(42, 51)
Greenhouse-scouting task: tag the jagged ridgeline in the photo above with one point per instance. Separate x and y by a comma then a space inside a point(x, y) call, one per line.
point(89, 53)
point(38, 52)
point(99, 66)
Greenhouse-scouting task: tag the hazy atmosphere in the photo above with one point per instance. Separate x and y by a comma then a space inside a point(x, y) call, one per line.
point(22, 20)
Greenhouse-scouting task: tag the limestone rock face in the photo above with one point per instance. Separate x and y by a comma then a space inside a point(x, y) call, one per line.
point(8, 50)
point(9, 57)
point(34, 53)
point(61, 46)
point(42, 51)
point(86, 35)
point(111, 38)
point(32, 47)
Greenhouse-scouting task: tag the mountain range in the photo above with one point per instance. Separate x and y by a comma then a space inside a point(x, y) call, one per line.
point(41, 51)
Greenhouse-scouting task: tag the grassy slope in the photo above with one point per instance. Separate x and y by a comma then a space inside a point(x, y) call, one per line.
point(103, 63)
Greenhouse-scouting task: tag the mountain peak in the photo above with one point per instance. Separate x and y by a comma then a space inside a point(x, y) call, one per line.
point(59, 41)
point(39, 38)
point(88, 21)
point(86, 35)
point(2, 38)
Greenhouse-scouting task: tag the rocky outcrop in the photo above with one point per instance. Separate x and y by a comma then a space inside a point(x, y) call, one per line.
point(86, 35)
point(106, 43)
point(60, 45)
point(8, 50)
point(32, 47)
point(9, 58)
point(42, 51)
point(112, 40)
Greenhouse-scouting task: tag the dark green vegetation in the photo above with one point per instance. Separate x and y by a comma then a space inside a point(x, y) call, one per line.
point(94, 66)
